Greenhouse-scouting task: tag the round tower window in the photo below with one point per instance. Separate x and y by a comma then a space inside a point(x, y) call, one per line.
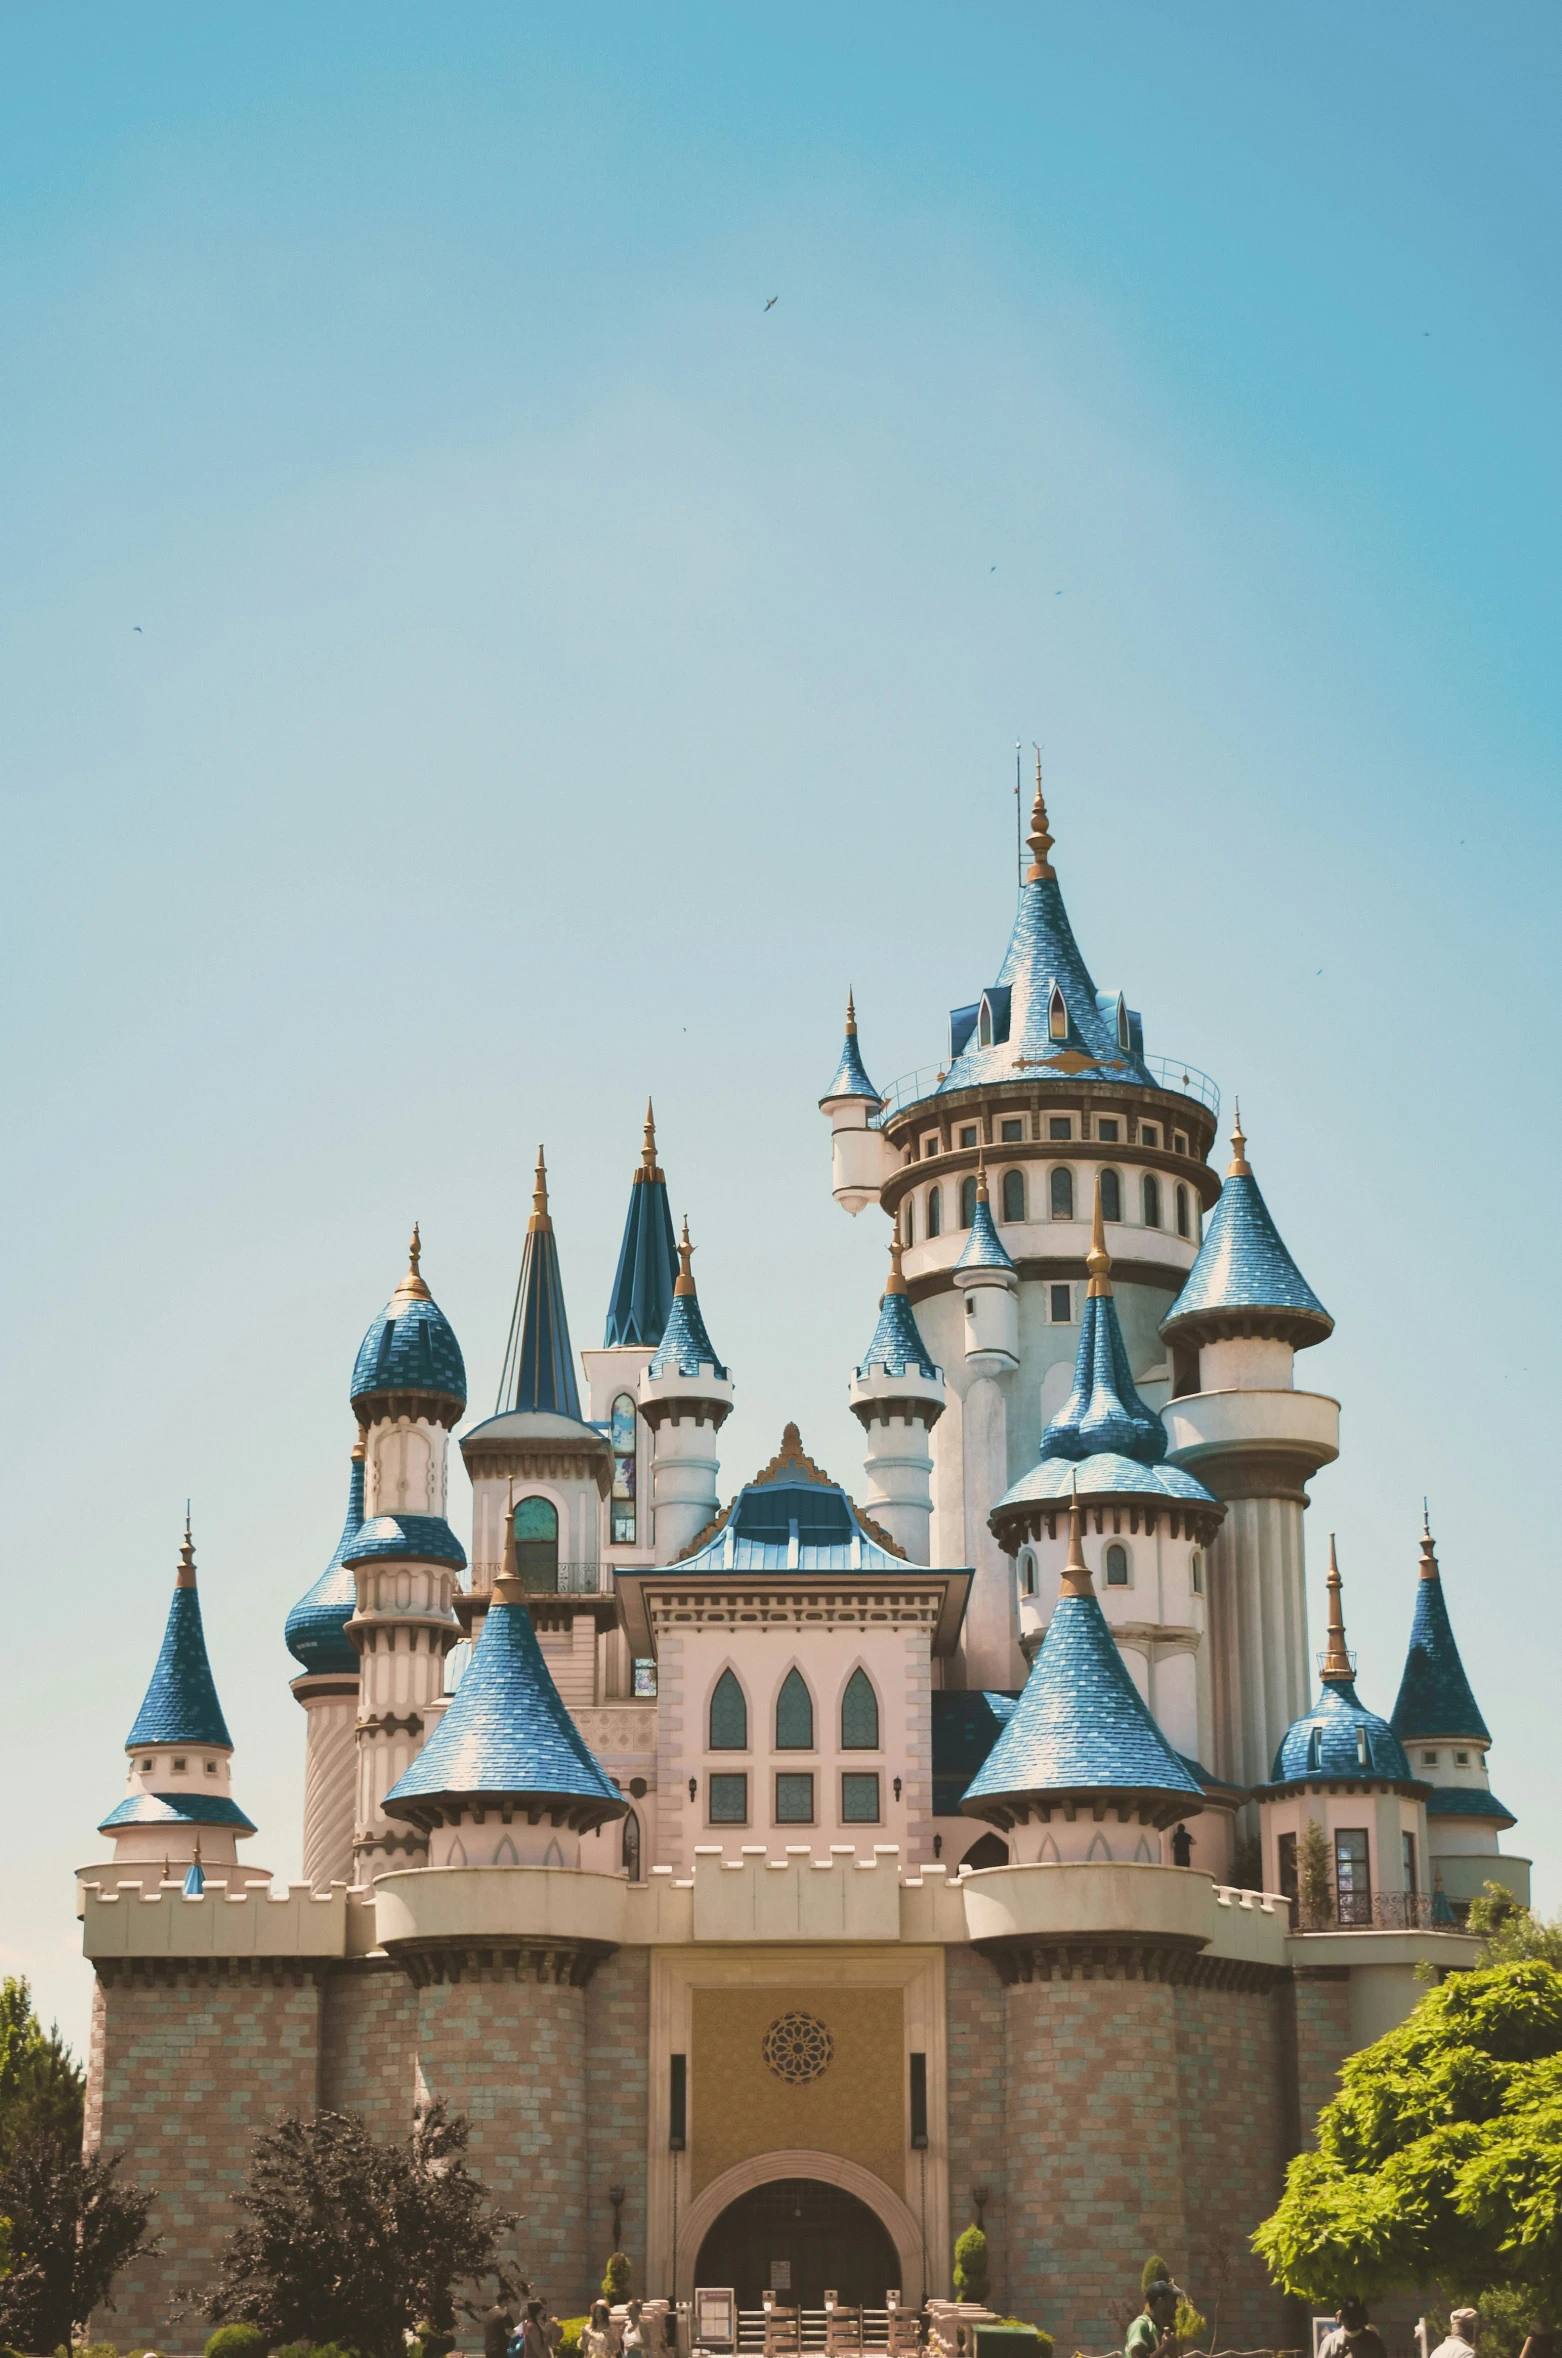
point(798, 2049)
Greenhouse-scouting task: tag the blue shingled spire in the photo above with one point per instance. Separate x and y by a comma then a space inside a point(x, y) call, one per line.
point(1103, 1413)
point(410, 1347)
point(539, 1367)
point(1339, 1736)
point(180, 1705)
point(647, 1259)
point(685, 1346)
point(315, 1630)
point(897, 1343)
point(1244, 1282)
point(1080, 1725)
point(850, 1080)
point(984, 1247)
point(1434, 1694)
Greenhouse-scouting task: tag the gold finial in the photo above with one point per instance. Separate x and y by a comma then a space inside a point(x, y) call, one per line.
point(168, 1871)
point(361, 1446)
point(1239, 1167)
point(1336, 1661)
point(1039, 840)
point(685, 1284)
point(981, 1174)
point(185, 1576)
point(539, 1218)
point(851, 1016)
point(1076, 1572)
point(897, 1281)
point(412, 1285)
point(648, 1165)
point(509, 1588)
point(1429, 1570)
point(1098, 1260)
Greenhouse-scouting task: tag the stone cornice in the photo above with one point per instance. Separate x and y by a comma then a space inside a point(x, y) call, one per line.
point(1167, 1958)
point(559, 1964)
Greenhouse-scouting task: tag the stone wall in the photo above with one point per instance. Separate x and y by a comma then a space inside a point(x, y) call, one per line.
point(618, 2047)
point(1321, 2005)
point(368, 2037)
point(975, 2029)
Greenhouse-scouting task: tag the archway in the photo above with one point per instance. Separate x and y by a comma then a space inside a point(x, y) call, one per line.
point(814, 2236)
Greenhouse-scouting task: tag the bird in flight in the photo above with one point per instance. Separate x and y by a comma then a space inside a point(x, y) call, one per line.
point(137, 626)
point(774, 300)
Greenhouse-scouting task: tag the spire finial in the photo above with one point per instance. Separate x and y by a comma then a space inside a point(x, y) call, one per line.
point(1336, 1663)
point(981, 1173)
point(185, 1576)
point(851, 1015)
point(685, 1284)
point(1039, 840)
point(897, 1281)
point(1098, 1260)
point(1239, 1167)
point(540, 1217)
point(509, 1588)
point(648, 1165)
point(412, 1286)
point(1429, 1570)
point(1076, 1572)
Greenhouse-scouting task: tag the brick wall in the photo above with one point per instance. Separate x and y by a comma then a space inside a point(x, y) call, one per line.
point(1323, 2040)
point(618, 2042)
point(196, 2060)
point(368, 2036)
point(1234, 2150)
point(974, 2030)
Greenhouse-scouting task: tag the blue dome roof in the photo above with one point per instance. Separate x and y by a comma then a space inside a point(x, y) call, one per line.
point(180, 1705)
point(410, 1347)
point(1107, 1475)
point(851, 1079)
point(420, 1539)
point(1434, 1694)
point(177, 1809)
point(1340, 1737)
point(1244, 1281)
point(506, 1735)
point(316, 1628)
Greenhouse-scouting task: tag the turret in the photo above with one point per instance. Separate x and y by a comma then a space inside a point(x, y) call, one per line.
point(1343, 1769)
point(1439, 1723)
point(1240, 1425)
point(1081, 1771)
point(180, 1807)
point(685, 1398)
point(316, 1634)
point(860, 1162)
point(897, 1396)
point(637, 1316)
point(989, 1284)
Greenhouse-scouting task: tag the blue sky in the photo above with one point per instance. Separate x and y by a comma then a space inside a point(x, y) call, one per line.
point(558, 676)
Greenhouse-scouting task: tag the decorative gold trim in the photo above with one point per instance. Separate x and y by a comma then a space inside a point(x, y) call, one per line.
point(1336, 1665)
point(539, 1218)
point(1041, 868)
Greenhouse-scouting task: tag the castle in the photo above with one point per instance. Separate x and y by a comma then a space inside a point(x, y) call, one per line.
point(775, 1884)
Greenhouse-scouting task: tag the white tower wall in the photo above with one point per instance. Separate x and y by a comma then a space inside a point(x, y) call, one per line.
point(403, 1628)
point(330, 1777)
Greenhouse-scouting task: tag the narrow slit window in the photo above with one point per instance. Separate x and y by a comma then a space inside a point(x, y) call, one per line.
point(1152, 1201)
point(624, 1454)
point(908, 1221)
point(1111, 1195)
point(1184, 1218)
point(935, 1212)
point(968, 1203)
point(1057, 1015)
point(1062, 1305)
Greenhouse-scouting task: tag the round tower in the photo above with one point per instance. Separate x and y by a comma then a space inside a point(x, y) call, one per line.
point(685, 1398)
point(897, 1396)
point(1241, 1426)
point(327, 1690)
point(638, 1310)
point(860, 1161)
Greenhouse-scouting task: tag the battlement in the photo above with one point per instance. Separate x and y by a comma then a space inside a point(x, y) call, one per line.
point(129, 1921)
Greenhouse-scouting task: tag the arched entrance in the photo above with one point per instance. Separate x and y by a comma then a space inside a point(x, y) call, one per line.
point(822, 2237)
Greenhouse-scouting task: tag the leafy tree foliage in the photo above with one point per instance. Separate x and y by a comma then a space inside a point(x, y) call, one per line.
point(1154, 2271)
point(617, 2279)
point(1442, 2155)
point(41, 2087)
point(971, 2265)
point(74, 2225)
point(348, 2241)
point(1511, 1933)
point(1315, 1873)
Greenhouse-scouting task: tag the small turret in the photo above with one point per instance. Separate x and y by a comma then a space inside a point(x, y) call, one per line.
point(897, 1396)
point(1246, 1308)
point(990, 1285)
point(685, 1397)
point(860, 1160)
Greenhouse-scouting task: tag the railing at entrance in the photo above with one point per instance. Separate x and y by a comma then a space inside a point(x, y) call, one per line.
point(812, 2325)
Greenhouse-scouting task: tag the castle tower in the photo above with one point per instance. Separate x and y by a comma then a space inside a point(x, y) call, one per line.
point(1240, 1425)
point(179, 1810)
point(685, 1399)
point(408, 1389)
point(990, 1161)
point(1147, 1527)
point(327, 1689)
point(637, 1316)
point(1439, 1723)
point(1343, 1769)
point(897, 1396)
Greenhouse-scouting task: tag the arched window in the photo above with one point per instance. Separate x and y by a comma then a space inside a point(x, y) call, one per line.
point(794, 1715)
point(624, 1437)
point(1027, 1574)
point(537, 1545)
point(984, 1027)
point(1184, 1223)
point(1014, 1195)
point(1152, 1201)
point(1116, 1566)
point(630, 1854)
point(728, 1716)
point(859, 1715)
point(1057, 1015)
point(908, 1221)
point(1061, 1191)
point(1124, 1037)
point(968, 1203)
point(1111, 1196)
point(935, 1212)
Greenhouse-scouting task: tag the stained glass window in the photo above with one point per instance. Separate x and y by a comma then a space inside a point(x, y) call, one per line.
point(794, 1715)
point(537, 1545)
point(794, 1800)
point(860, 1797)
point(859, 1715)
point(625, 1434)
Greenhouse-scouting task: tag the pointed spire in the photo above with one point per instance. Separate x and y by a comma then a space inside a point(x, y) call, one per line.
point(1103, 1413)
point(851, 1015)
point(1435, 1696)
point(686, 1345)
point(649, 1172)
point(1336, 1663)
point(896, 1282)
point(1076, 1572)
point(539, 1218)
point(410, 1347)
point(1429, 1570)
point(684, 1290)
point(984, 1247)
point(539, 1365)
point(642, 1295)
point(510, 1588)
point(316, 1629)
point(1244, 1282)
point(897, 1343)
point(1098, 1260)
point(195, 1880)
point(1039, 839)
point(1239, 1167)
point(412, 1287)
point(981, 1173)
point(184, 1577)
point(180, 1705)
point(851, 1079)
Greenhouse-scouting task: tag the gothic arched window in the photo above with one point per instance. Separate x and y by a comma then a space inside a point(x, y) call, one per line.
point(859, 1715)
point(1111, 1196)
point(1116, 1566)
point(968, 1203)
point(728, 1716)
point(624, 1436)
point(630, 1855)
point(1057, 1015)
point(537, 1545)
point(1061, 1191)
point(1152, 1201)
point(1014, 1195)
point(794, 1715)
point(935, 1212)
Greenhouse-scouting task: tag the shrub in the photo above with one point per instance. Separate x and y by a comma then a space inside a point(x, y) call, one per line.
point(97, 2350)
point(971, 2266)
point(1024, 2325)
point(1154, 2271)
point(76, 2223)
point(571, 2330)
point(294, 2349)
point(1191, 2327)
point(617, 2281)
point(236, 2341)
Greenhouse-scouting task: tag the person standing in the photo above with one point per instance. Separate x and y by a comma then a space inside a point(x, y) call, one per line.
point(598, 2340)
point(1463, 2326)
point(1354, 2335)
point(1153, 2333)
point(498, 2325)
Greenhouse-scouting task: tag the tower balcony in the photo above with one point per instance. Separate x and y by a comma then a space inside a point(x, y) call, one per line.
point(1247, 1444)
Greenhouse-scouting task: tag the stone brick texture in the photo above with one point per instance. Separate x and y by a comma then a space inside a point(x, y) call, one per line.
point(618, 2100)
point(368, 2042)
point(1323, 2040)
point(974, 2025)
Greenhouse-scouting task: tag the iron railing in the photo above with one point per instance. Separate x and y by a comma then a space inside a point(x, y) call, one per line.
point(567, 1580)
point(1374, 1911)
point(1167, 1072)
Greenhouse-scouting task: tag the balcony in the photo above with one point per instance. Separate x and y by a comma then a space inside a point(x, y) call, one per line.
point(1375, 1911)
point(1167, 1072)
point(555, 1579)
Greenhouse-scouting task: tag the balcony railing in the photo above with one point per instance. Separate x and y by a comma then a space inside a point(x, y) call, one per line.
point(1377, 1911)
point(1167, 1072)
point(567, 1580)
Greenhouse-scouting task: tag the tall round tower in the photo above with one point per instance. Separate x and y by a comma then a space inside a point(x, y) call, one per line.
point(327, 1689)
point(685, 1398)
point(897, 1396)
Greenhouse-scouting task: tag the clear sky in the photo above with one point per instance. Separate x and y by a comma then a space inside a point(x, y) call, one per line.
point(465, 663)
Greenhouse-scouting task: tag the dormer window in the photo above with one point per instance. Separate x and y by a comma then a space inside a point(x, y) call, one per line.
point(1057, 1015)
point(1123, 1036)
point(1363, 1756)
point(984, 1026)
point(1315, 1750)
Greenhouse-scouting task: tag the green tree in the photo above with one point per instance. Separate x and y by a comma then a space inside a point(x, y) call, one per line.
point(971, 2265)
point(1510, 1933)
point(41, 2086)
point(617, 2281)
point(1441, 2157)
point(74, 2225)
point(1314, 1874)
point(348, 2241)
point(1154, 2271)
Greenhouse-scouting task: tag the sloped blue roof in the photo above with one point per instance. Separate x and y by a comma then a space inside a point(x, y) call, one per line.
point(642, 1297)
point(1104, 1414)
point(897, 1340)
point(506, 1732)
point(315, 1630)
point(983, 1247)
point(422, 1539)
point(792, 1501)
point(1337, 1715)
point(195, 1880)
point(539, 1366)
point(686, 1346)
point(1107, 1475)
point(966, 1725)
point(851, 1079)
point(180, 1706)
point(1244, 1270)
point(1434, 1694)
point(1042, 951)
point(1467, 1801)
point(410, 1347)
point(176, 1809)
point(1080, 1724)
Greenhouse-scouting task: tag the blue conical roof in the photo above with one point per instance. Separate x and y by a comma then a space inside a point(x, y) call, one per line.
point(539, 1366)
point(984, 1247)
point(851, 1079)
point(685, 1347)
point(1434, 1694)
point(1244, 1281)
point(506, 1734)
point(897, 1343)
point(1103, 1414)
point(180, 1705)
point(410, 1347)
point(315, 1630)
point(647, 1259)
